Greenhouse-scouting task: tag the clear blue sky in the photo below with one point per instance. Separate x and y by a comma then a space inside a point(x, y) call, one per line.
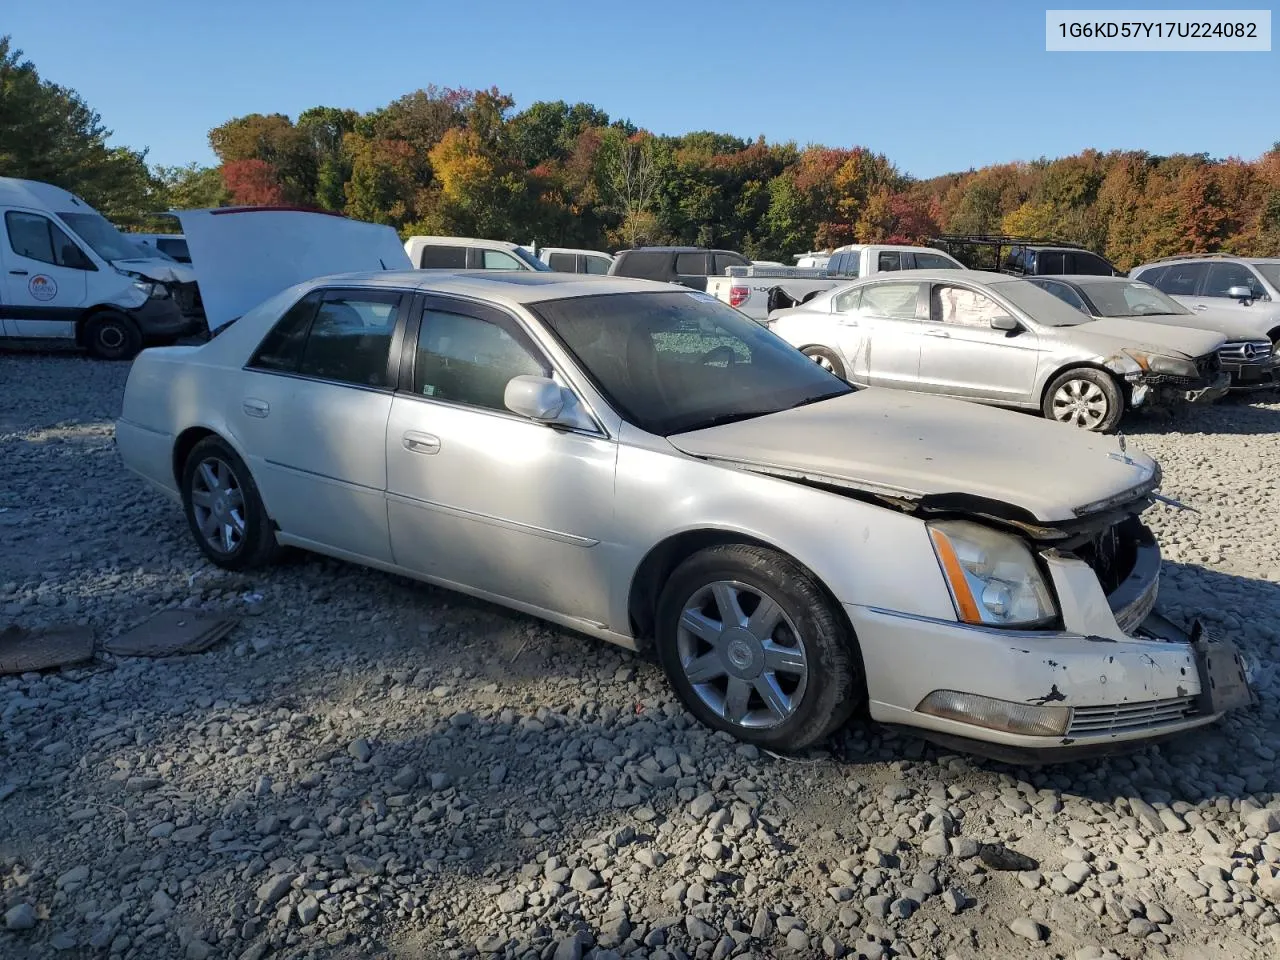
point(937, 86)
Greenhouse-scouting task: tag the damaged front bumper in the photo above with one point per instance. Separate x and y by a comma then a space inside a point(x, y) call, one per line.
point(1113, 675)
point(1162, 390)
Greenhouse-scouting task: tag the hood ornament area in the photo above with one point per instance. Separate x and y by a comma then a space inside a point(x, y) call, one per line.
point(1123, 455)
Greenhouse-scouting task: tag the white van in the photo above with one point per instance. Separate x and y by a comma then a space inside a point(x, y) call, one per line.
point(469, 253)
point(66, 273)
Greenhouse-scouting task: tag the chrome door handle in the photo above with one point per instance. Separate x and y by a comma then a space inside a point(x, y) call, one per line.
point(256, 408)
point(937, 333)
point(1201, 306)
point(416, 442)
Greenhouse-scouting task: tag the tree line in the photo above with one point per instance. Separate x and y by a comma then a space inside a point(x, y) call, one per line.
point(468, 163)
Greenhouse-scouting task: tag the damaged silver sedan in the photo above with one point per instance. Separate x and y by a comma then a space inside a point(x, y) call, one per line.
point(645, 465)
point(1002, 340)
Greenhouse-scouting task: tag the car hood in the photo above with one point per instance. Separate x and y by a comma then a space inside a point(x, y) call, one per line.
point(1219, 321)
point(155, 268)
point(899, 444)
point(249, 254)
point(1110, 334)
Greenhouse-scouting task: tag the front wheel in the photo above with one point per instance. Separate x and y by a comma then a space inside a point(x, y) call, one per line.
point(1085, 398)
point(111, 335)
point(223, 508)
point(753, 646)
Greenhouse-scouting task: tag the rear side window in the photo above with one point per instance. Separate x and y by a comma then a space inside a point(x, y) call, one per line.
point(1181, 279)
point(350, 338)
point(962, 307)
point(1050, 262)
point(644, 264)
point(889, 260)
point(39, 238)
point(1091, 264)
point(438, 256)
point(691, 264)
point(845, 264)
point(561, 261)
point(596, 264)
point(896, 300)
point(281, 349)
point(934, 261)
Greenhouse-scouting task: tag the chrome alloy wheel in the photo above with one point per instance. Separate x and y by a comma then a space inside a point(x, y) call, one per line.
point(218, 503)
point(822, 361)
point(1080, 402)
point(742, 654)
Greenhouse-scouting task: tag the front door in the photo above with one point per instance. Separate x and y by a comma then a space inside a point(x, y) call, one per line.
point(482, 498)
point(1213, 295)
point(891, 334)
point(313, 408)
point(45, 277)
point(963, 356)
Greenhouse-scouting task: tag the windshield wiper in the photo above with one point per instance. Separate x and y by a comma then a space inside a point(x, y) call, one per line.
point(723, 418)
point(816, 398)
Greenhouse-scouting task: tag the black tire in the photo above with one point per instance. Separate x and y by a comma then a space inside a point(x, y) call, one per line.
point(1072, 396)
point(255, 545)
point(827, 359)
point(110, 335)
point(809, 623)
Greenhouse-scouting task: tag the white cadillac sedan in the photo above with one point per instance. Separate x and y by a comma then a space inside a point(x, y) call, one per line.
point(646, 465)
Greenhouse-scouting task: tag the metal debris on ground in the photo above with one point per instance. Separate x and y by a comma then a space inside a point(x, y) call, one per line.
point(23, 650)
point(171, 632)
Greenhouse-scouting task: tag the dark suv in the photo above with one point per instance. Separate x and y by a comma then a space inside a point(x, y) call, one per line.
point(687, 265)
point(1025, 257)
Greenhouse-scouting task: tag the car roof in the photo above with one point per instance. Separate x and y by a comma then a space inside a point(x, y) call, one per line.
point(500, 286)
point(436, 241)
point(940, 276)
point(675, 250)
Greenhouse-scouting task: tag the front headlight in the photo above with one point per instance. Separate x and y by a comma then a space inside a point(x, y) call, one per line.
point(1169, 366)
point(993, 577)
point(151, 289)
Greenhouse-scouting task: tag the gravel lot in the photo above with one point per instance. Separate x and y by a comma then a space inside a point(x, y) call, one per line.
point(367, 766)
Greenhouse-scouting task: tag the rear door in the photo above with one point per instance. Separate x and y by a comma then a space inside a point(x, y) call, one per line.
point(45, 284)
point(891, 314)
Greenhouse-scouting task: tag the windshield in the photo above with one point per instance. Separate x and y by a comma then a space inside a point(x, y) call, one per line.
point(106, 241)
point(531, 260)
point(153, 252)
point(1042, 307)
point(1131, 299)
point(1270, 272)
point(671, 361)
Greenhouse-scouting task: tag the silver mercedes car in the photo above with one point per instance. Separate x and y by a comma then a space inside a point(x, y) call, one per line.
point(1000, 339)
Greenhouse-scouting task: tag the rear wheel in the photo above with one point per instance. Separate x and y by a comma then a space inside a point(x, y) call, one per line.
point(224, 511)
point(1085, 398)
point(754, 646)
point(110, 335)
point(826, 359)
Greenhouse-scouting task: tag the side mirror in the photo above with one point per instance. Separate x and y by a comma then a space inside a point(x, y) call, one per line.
point(537, 398)
point(1005, 322)
point(1240, 293)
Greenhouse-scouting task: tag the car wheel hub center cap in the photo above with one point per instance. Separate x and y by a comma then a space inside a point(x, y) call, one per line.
point(744, 657)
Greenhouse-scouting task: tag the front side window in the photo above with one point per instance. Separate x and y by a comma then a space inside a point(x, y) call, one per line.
point(889, 260)
point(281, 349)
point(1224, 276)
point(563, 262)
point(1062, 292)
point(465, 359)
point(1050, 262)
point(350, 338)
point(1090, 264)
point(497, 260)
point(1152, 276)
point(39, 238)
point(644, 265)
point(1270, 272)
point(1181, 279)
point(691, 264)
point(961, 307)
point(894, 300)
point(598, 265)
point(935, 261)
point(101, 235)
point(672, 362)
point(435, 256)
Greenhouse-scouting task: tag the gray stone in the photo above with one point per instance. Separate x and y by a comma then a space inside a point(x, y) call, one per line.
point(935, 845)
point(1263, 821)
point(199, 950)
point(570, 948)
point(762, 923)
point(877, 906)
point(308, 910)
point(21, 917)
point(405, 778)
point(1077, 872)
point(1138, 927)
point(73, 877)
point(583, 879)
point(360, 750)
point(797, 940)
point(702, 804)
point(954, 899)
point(513, 901)
point(699, 929)
point(275, 889)
point(1026, 927)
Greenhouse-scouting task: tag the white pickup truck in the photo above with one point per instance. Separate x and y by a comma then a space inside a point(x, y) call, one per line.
point(757, 291)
